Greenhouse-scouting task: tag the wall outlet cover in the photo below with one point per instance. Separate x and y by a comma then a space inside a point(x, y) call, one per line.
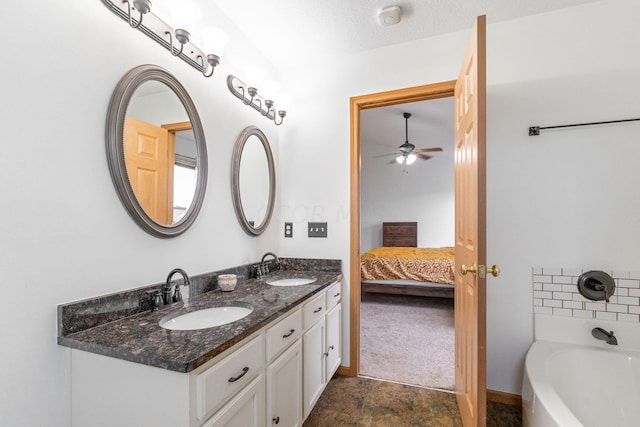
point(288, 229)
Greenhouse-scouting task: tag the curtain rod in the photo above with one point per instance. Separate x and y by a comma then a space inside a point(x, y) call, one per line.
point(535, 130)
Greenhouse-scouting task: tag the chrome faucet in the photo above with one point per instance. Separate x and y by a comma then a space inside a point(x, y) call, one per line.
point(263, 267)
point(605, 336)
point(167, 291)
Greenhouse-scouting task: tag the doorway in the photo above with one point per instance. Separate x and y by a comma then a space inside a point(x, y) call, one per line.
point(382, 99)
point(406, 311)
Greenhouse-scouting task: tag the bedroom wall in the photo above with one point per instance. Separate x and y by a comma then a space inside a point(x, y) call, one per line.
point(421, 192)
point(563, 198)
point(64, 233)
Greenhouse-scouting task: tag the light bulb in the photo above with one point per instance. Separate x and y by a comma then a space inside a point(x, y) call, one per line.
point(254, 76)
point(271, 89)
point(214, 40)
point(184, 15)
point(283, 102)
point(411, 158)
point(400, 159)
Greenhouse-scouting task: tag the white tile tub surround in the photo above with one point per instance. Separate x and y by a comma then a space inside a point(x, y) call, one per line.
point(555, 293)
point(573, 330)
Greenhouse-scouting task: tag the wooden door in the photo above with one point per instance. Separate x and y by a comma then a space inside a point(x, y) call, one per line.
point(149, 161)
point(470, 290)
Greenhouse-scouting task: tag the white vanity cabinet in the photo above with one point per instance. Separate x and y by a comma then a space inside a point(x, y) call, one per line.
point(272, 378)
point(284, 372)
point(333, 332)
point(246, 409)
point(321, 344)
point(227, 377)
point(284, 388)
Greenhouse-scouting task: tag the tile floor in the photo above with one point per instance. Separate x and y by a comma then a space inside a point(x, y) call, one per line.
point(355, 401)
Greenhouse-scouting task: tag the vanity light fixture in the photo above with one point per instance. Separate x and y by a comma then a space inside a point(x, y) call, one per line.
point(249, 95)
point(134, 11)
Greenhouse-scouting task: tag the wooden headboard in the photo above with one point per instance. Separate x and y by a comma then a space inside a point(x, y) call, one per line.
point(403, 234)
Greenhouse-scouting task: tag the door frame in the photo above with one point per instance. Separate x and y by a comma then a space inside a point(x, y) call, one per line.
point(357, 104)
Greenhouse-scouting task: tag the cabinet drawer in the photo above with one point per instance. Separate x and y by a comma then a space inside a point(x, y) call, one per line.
point(284, 333)
point(226, 377)
point(334, 294)
point(314, 310)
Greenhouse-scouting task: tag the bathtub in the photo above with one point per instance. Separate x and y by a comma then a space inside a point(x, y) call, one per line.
point(568, 385)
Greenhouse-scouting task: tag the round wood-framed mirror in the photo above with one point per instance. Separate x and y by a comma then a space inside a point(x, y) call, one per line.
point(253, 180)
point(156, 151)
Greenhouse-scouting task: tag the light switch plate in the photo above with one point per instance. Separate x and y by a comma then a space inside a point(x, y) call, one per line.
point(317, 229)
point(288, 229)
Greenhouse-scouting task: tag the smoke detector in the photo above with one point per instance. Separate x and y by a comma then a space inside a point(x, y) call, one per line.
point(389, 15)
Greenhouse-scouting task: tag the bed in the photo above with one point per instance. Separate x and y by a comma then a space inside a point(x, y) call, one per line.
point(400, 267)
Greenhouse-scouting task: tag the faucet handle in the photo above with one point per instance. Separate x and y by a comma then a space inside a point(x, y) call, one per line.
point(158, 301)
point(177, 296)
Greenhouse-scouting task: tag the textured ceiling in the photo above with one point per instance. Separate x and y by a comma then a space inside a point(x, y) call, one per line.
point(294, 31)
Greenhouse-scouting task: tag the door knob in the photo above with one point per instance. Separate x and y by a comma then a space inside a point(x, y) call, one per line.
point(468, 269)
point(494, 270)
point(481, 270)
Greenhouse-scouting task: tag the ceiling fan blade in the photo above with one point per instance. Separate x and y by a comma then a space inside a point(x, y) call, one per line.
point(422, 156)
point(384, 155)
point(392, 162)
point(427, 150)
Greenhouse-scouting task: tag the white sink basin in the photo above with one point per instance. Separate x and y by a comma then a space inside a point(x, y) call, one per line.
point(290, 282)
point(206, 318)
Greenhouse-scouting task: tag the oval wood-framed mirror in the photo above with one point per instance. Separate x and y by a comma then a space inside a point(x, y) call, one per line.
point(253, 180)
point(156, 151)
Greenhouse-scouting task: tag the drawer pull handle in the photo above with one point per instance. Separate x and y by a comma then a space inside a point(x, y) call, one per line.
point(337, 295)
point(244, 371)
point(276, 420)
point(289, 334)
point(318, 310)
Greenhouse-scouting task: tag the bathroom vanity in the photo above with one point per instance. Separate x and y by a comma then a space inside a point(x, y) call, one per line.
point(268, 368)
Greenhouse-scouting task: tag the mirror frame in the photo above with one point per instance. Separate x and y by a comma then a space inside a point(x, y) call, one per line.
point(115, 149)
point(235, 180)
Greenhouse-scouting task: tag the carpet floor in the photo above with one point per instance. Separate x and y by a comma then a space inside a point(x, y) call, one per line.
point(407, 339)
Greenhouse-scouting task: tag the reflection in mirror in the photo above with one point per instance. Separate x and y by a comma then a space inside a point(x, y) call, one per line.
point(253, 180)
point(159, 143)
point(156, 151)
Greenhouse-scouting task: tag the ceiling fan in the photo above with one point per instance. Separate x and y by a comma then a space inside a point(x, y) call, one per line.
point(407, 152)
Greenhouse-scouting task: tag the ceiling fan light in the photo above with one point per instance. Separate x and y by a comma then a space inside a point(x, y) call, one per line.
point(411, 158)
point(400, 159)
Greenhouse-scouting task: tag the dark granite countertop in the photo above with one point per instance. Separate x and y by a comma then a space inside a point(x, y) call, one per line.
point(139, 338)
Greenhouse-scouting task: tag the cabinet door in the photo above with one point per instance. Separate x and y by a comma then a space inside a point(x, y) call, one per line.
point(333, 340)
point(313, 366)
point(246, 409)
point(284, 388)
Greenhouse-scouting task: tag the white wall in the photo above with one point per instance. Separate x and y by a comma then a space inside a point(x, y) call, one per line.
point(563, 198)
point(422, 192)
point(64, 234)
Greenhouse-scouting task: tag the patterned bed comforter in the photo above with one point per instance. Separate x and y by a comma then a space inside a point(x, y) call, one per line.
point(424, 264)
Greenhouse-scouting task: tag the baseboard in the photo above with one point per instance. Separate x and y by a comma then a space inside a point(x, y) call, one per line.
point(506, 398)
point(346, 371)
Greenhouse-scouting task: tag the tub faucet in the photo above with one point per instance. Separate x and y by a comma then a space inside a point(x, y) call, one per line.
point(603, 335)
point(166, 290)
